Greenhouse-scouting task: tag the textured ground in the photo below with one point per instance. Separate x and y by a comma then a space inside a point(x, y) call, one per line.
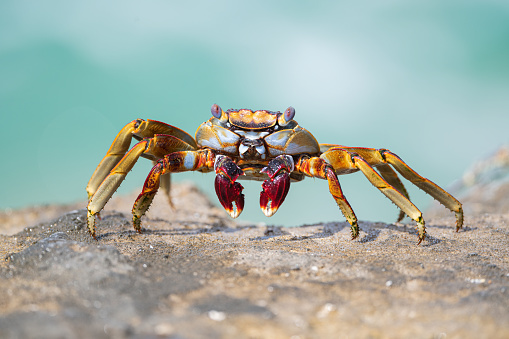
point(194, 273)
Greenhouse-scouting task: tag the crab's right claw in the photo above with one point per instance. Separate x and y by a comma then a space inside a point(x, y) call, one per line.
point(228, 190)
point(230, 195)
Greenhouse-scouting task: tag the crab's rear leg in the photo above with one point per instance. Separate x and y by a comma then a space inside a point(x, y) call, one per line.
point(363, 159)
point(183, 161)
point(392, 178)
point(138, 129)
point(344, 161)
point(375, 157)
point(385, 171)
point(319, 168)
point(155, 147)
point(426, 185)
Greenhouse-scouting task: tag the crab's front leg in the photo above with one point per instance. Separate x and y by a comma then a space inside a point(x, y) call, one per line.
point(155, 147)
point(202, 160)
point(319, 168)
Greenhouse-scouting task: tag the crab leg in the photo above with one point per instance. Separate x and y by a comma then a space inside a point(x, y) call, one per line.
point(426, 185)
point(155, 147)
point(347, 159)
point(319, 168)
point(376, 157)
point(175, 162)
point(138, 129)
point(392, 178)
point(385, 170)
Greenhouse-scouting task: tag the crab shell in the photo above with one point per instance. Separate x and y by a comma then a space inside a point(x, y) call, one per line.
point(256, 137)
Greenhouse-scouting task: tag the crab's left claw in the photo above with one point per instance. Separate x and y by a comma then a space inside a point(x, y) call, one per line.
point(276, 187)
point(228, 190)
point(274, 193)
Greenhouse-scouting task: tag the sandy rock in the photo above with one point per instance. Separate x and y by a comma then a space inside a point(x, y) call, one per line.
point(484, 188)
point(194, 273)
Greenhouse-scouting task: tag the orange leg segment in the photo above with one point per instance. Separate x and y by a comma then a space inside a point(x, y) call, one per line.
point(175, 162)
point(319, 168)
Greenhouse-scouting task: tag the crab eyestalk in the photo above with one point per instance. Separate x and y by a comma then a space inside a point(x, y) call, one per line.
point(218, 113)
point(287, 116)
point(229, 192)
point(276, 187)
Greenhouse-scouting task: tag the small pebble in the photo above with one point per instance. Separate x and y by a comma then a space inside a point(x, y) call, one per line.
point(216, 315)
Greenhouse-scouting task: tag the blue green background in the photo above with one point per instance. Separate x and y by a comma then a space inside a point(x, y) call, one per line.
point(427, 79)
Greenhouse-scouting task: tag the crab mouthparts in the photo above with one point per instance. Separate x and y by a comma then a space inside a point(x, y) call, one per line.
point(230, 195)
point(274, 193)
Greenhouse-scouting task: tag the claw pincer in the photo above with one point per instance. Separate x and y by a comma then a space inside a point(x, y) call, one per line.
point(229, 192)
point(276, 187)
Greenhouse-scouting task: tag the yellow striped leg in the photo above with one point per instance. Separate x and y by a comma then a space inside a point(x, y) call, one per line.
point(318, 168)
point(155, 147)
point(392, 178)
point(350, 158)
point(343, 160)
point(138, 129)
point(375, 157)
point(426, 185)
point(385, 171)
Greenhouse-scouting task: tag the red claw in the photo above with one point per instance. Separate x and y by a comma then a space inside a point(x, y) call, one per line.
point(274, 193)
point(228, 190)
point(228, 193)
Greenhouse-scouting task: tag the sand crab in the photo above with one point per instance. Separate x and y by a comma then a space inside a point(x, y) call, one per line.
point(256, 145)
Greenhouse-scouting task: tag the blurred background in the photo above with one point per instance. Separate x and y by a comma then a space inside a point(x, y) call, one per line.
point(427, 79)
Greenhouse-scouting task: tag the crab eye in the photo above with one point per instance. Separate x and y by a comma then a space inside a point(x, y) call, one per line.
point(289, 113)
point(216, 111)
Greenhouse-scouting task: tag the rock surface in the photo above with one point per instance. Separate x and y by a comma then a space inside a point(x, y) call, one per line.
point(194, 273)
point(484, 188)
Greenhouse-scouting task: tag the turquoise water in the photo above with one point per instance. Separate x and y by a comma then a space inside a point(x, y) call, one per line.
point(428, 80)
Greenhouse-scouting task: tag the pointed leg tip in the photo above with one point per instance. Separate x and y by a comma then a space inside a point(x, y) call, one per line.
point(459, 220)
point(401, 216)
point(91, 224)
point(354, 229)
point(421, 238)
point(137, 223)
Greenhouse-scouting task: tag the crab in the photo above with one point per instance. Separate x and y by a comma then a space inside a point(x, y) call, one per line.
point(257, 145)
